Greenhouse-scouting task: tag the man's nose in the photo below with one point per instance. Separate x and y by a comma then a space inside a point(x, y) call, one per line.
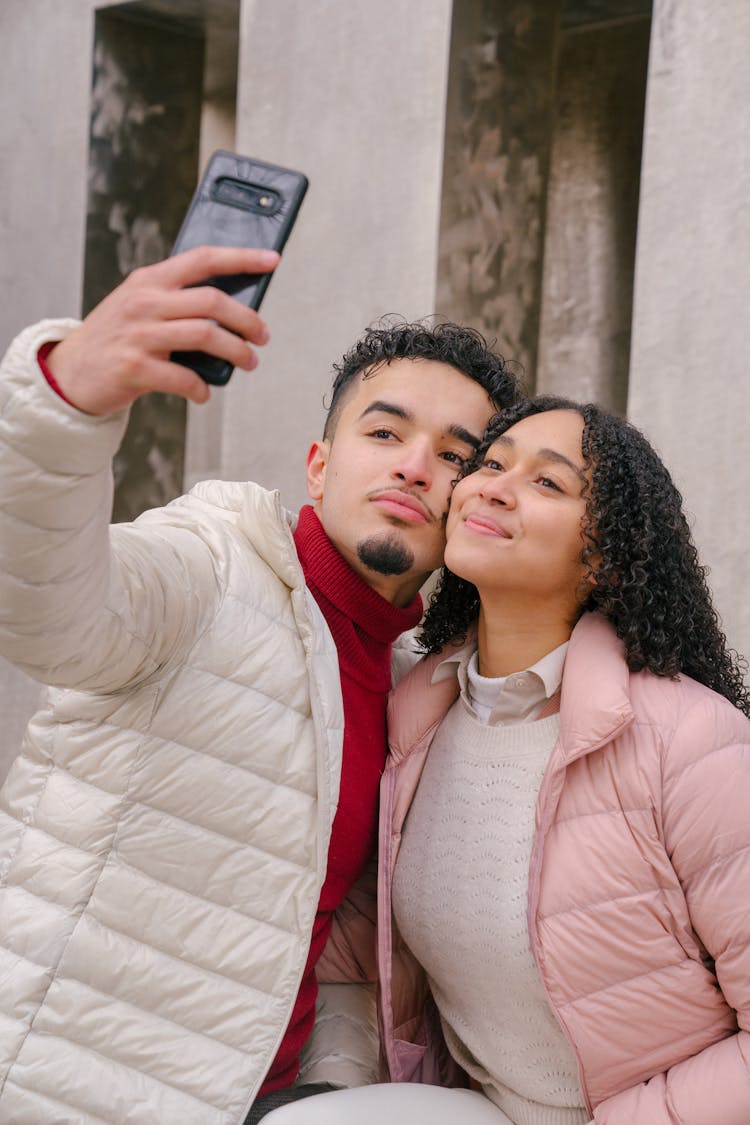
point(414, 467)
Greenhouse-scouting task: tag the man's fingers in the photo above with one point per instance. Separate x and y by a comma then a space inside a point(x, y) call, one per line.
point(200, 336)
point(210, 303)
point(174, 379)
point(204, 262)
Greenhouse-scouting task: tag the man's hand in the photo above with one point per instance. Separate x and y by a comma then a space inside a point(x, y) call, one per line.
point(122, 349)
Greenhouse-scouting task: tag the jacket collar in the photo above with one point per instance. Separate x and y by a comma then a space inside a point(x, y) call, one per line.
point(594, 704)
point(269, 527)
point(595, 700)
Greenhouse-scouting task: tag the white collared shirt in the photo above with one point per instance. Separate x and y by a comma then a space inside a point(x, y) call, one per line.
point(516, 698)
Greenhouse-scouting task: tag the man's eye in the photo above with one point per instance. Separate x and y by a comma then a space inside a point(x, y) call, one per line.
point(492, 464)
point(381, 433)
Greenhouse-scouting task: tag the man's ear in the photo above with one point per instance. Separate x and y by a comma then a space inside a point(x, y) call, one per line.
point(317, 461)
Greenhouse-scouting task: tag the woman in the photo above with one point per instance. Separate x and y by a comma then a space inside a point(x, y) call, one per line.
point(570, 888)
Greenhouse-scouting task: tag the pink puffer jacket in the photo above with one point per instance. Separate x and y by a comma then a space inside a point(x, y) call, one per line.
point(639, 889)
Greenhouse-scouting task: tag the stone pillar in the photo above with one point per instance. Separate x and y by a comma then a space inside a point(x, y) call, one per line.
point(45, 87)
point(592, 210)
point(354, 96)
point(146, 103)
point(689, 379)
point(46, 266)
point(498, 130)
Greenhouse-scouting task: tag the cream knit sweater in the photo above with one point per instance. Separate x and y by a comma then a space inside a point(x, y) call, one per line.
point(460, 902)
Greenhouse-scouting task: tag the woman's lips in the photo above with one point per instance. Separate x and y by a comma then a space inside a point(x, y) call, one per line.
point(484, 526)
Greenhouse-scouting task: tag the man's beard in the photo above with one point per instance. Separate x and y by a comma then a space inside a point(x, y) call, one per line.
point(385, 555)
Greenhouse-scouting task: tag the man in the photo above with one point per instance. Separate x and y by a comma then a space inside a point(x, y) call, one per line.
point(199, 794)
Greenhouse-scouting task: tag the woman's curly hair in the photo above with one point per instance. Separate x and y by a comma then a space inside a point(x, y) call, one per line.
point(637, 545)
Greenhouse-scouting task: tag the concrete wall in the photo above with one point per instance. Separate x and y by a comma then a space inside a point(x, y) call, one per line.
point(45, 89)
point(359, 95)
point(362, 114)
point(689, 378)
point(354, 96)
point(82, 160)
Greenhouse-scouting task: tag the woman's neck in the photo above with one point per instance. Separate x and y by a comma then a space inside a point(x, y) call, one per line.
point(511, 639)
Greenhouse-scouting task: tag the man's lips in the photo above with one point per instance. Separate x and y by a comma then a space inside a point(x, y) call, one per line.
point(402, 505)
point(483, 525)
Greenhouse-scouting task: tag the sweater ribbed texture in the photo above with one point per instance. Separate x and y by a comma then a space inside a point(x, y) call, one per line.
point(460, 893)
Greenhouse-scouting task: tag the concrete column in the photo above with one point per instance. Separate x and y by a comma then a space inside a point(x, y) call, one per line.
point(46, 55)
point(498, 131)
point(689, 379)
point(354, 96)
point(146, 102)
point(592, 209)
point(45, 87)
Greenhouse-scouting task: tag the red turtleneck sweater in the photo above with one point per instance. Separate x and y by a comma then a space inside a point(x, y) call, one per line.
point(364, 626)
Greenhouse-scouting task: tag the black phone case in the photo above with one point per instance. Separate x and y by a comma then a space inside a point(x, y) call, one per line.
point(239, 202)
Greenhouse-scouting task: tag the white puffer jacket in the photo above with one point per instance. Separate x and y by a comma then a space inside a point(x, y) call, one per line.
point(163, 835)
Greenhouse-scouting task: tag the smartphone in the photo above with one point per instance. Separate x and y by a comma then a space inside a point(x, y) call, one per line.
point(239, 202)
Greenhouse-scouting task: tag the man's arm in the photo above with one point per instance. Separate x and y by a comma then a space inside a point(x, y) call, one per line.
point(74, 610)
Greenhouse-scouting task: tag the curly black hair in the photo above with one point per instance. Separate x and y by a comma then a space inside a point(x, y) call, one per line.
point(454, 344)
point(637, 544)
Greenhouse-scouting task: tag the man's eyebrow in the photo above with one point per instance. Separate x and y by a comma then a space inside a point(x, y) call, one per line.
point(381, 406)
point(547, 455)
point(465, 436)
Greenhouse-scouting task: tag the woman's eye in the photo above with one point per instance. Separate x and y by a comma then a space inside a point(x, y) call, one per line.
point(454, 458)
point(547, 483)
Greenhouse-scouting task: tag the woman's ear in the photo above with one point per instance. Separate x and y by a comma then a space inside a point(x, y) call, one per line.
point(317, 462)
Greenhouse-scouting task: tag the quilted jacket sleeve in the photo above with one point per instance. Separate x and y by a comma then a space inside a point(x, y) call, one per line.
point(706, 826)
point(81, 605)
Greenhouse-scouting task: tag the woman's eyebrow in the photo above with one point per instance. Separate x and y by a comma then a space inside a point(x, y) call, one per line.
point(561, 459)
point(545, 455)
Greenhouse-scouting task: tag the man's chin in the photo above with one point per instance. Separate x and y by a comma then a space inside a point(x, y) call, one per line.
point(386, 554)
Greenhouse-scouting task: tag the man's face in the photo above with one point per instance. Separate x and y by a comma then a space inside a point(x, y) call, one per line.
point(382, 483)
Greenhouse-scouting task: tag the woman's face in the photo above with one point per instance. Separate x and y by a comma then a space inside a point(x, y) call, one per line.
point(515, 524)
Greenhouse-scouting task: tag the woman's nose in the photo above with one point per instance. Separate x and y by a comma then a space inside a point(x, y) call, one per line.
point(499, 489)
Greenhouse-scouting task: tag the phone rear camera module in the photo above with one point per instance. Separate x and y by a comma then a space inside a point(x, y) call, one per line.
point(247, 197)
